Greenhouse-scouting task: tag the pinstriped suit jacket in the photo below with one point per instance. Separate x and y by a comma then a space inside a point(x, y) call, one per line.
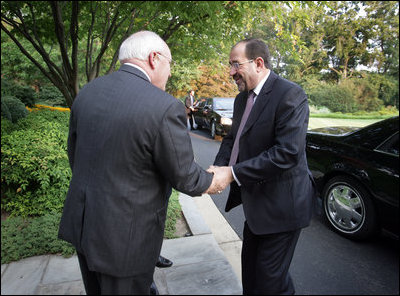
point(277, 188)
point(127, 146)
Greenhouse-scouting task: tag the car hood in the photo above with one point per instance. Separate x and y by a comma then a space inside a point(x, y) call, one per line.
point(334, 130)
point(225, 113)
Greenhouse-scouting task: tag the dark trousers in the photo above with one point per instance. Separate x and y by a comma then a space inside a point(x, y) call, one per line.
point(265, 262)
point(102, 284)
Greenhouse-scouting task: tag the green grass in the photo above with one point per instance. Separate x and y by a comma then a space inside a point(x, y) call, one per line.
point(325, 122)
point(352, 116)
point(318, 120)
point(26, 237)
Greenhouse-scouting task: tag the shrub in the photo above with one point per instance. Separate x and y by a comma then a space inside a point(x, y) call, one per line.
point(25, 237)
point(26, 94)
point(23, 92)
point(6, 87)
point(6, 126)
point(337, 98)
point(173, 213)
point(35, 168)
point(50, 95)
point(365, 93)
point(15, 106)
point(5, 112)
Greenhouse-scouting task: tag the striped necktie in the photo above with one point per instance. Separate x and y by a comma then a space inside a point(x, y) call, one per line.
point(235, 149)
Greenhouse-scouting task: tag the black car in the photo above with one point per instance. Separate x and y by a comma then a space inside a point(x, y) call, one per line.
point(215, 114)
point(357, 175)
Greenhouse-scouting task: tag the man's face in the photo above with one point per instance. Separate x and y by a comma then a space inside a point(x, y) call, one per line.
point(244, 76)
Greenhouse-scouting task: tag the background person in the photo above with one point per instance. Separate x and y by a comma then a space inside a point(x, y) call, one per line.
point(264, 158)
point(125, 158)
point(190, 103)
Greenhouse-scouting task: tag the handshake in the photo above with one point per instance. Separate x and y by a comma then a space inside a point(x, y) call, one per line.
point(221, 179)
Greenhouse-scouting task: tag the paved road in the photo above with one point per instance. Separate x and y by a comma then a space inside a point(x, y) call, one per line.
point(324, 262)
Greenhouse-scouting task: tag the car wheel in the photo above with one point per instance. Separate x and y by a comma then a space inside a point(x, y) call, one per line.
point(348, 208)
point(213, 130)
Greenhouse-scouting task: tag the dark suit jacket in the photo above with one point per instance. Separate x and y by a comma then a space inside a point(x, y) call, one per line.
point(127, 146)
point(276, 189)
point(188, 104)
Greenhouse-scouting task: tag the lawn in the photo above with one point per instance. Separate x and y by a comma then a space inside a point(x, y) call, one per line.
point(324, 122)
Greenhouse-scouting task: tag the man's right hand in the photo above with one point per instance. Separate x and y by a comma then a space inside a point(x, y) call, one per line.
point(221, 179)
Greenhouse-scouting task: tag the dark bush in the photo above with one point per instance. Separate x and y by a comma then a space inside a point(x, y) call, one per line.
point(336, 98)
point(6, 86)
point(26, 94)
point(15, 106)
point(5, 112)
point(51, 96)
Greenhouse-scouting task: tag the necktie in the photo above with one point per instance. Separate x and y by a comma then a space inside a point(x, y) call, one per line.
point(235, 149)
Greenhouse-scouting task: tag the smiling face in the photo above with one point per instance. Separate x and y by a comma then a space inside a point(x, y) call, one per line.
point(245, 76)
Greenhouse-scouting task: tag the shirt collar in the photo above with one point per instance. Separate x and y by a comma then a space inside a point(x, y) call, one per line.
point(137, 67)
point(259, 86)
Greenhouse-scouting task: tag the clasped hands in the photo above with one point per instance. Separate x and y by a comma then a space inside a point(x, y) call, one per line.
point(221, 179)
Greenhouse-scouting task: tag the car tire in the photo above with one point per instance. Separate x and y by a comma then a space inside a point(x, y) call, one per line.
point(348, 208)
point(213, 130)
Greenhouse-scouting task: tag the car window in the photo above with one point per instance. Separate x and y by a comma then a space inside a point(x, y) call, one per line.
point(202, 103)
point(391, 145)
point(224, 104)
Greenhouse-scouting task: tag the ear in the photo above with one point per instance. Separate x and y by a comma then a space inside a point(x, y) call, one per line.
point(259, 62)
point(152, 58)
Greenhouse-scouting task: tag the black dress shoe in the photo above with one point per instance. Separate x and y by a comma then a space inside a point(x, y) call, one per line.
point(163, 262)
point(153, 289)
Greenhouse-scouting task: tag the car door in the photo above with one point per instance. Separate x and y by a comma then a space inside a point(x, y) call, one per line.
point(385, 180)
point(198, 113)
point(207, 113)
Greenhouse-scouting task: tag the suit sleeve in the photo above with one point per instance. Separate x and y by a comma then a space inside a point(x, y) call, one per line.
point(224, 153)
point(289, 143)
point(173, 154)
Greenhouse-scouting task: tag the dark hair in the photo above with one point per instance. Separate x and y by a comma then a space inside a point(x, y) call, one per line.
point(255, 48)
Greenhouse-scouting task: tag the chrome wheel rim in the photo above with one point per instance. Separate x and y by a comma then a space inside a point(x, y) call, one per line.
point(213, 129)
point(345, 208)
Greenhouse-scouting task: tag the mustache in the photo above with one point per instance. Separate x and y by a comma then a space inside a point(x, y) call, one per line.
point(236, 76)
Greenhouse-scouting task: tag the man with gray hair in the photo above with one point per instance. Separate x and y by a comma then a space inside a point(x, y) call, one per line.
point(127, 146)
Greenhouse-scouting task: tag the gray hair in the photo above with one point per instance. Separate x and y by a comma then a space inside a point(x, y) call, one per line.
point(140, 44)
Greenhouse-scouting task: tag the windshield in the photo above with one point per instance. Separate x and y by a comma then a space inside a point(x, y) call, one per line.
point(224, 103)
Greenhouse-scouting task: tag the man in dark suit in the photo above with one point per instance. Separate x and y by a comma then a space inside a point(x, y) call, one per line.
point(264, 158)
point(189, 104)
point(125, 156)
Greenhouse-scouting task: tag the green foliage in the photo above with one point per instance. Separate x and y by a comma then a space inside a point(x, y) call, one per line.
point(25, 93)
point(26, 237)
point(336, 98)
point(5, 112)
point(51, 96)
point(22, 92)
point(173, 214)
point(35, 168)
point(16, 108)
point(365, 93)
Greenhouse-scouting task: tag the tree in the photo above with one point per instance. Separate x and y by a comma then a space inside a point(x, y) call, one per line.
point(92, 31)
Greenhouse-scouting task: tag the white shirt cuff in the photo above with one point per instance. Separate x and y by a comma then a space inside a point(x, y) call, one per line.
point(234, 176)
